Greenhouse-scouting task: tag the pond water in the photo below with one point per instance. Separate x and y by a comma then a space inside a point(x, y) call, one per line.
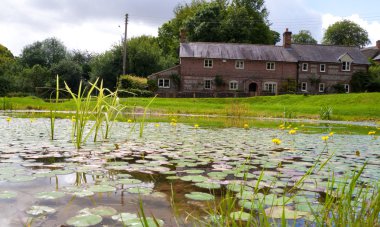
point(51, 183)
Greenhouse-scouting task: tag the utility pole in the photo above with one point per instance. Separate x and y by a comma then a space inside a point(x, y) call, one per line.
point(125, 46)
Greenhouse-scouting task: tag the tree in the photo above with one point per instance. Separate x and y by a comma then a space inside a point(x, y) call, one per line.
point(31, 78)
point(46, 53)
point(83, 58)
point(346, 33)
point(303, 37)
point(68, 71)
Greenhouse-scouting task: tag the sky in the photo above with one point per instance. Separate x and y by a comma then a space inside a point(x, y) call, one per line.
point(97, 25)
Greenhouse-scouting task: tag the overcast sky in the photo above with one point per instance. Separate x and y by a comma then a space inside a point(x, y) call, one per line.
point(95, 25)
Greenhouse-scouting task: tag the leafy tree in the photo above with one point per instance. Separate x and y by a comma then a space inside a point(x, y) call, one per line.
point(83, 58)
point(46, 53)
point(68, 71)
point(303, 37)
point(31, 78)
point(346, 33)
point(9, 68)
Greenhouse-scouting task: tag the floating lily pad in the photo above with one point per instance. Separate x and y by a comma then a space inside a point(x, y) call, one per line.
point(7, 195)
point(250, 204)
point(240, 215)
point(83, 193)
point(50, 195)
point(102, 188)
point(124, 217)
point(208, 185)
point(217, 175)
point(140, 190)
point(17, 179)
point(83, 220)
point(103, 211)
point(62, 171)
point(40, 210)
point(173, 177)
point(201, 196)
point(194, 171)
point(194, 178)
point(277, 212)
point(129, 181)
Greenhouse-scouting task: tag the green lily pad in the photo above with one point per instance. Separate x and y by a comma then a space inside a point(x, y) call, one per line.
point(40, 210)
point(129, 181)
point(194, 178)
point(7, 195)
point(102, 188)
point(103, 211)
point(194, 171)
point(124, 217)
point(83, 193)
point(217, 175)
point(140, 190)
point(240, 215)
point(173, 177)
point(250, 204)
point(208, 185)
point(201, 196)
point(277, 212)
point(50, 195)
point(83, 220)
point(17, 179)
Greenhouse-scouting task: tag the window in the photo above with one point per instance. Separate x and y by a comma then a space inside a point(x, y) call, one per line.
point(347, 88)
point(208, 63)
point(322, 68)
point(207, 84)
point(346, 66)
point(305, 66)
point(321, 87)
point(239, 64)
point(163, 83)
point(233, 85)
point(270, 87)
point(270, 66)
point(304, 86)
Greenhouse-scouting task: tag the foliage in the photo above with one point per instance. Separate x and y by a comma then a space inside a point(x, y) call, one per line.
point(219, 82)
point(346, 33)
point(132, 82)
point(32, 78)
point(46, 53)
point(82, 58)
point(68, 71)
point(339, 88)
point(152, 85)
point(360, 81)
point(303, 37)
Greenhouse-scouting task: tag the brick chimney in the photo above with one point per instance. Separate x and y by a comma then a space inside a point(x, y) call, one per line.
point(182, 36)
point(378, 44)
point(287, 38)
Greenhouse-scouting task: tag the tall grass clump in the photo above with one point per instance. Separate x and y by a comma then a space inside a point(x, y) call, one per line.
point(325, 113)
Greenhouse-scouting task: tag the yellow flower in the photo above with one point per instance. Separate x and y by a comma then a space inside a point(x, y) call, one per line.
point(292, 132)
point(73, 118)
point(246, 126)
point(157, 125)
point(8, 119)
point(295, 128)
point(325, 138)
point(129, 121)
point(174, 120)
point(196, 126)
point(302, 125)
point(276, 141)
point(173, 124)
point(371, 133)
point(32, 120)
point(331, 133)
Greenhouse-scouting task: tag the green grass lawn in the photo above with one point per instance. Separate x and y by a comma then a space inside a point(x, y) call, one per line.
point(354, 107)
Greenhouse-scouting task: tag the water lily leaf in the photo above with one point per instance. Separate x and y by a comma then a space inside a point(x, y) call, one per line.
point(50, 195)
point(7, 195)
point(83, 220)
point(124, 217)
point(103, 211)
point(40, 210)
point(102, 188)
point(250, 204)
point(217, 175)
point(129, 181)
point(173, 177)
point(194, 178)
point(208, 185)
point(62, 171)
point(201, 196)
point(83, 193)
point(124, 175)
point(194, 171)
point(17, 179)
point(140, 190)
point(277, 211)
point(240, 215)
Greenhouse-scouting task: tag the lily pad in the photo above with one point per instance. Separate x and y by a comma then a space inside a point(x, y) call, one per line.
point(83, 220)
point(194, 178)
point(102, 188)
point(40, 210)
point(240, 216)
point(201, 196)
point(103, 211)
point(7, 195)
point(83, 193)
point(208, 185)
point(50, 195)
point(277, 212)
point(129, 181)
point(124, 217)
point(17, 179)
point(140, 190)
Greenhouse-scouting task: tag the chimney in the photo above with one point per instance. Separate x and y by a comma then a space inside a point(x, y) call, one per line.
point(378, 44)
point(287, 39)
point(182, 36)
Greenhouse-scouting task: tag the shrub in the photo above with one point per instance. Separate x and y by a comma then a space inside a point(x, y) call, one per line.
point(132, 82)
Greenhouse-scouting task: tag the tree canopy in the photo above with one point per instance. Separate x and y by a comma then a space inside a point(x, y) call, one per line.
point(303, 37)
point(346, 33)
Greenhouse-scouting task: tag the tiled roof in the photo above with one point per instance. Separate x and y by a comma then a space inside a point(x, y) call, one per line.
point(325, 53)
point(235, 51)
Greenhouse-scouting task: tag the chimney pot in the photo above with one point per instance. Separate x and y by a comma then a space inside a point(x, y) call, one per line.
point(287, 38)
point(378, 44)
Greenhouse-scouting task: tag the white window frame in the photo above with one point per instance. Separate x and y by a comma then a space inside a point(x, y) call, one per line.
point(208, 63)
point(270, 87)
point(162, 83)
point(305, 67)
point(346, 88)
point(239, 64)
point(271, 66)
point(324, 68)
point(321, 87)
point(233, 85)
point(207, 84)
point(346, 66)
point(303, 86)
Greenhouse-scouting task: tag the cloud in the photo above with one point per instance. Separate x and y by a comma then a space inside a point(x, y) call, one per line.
point(372, 27)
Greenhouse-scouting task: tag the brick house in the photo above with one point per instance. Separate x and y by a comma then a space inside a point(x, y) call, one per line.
point(237, 70)
point(373, 52)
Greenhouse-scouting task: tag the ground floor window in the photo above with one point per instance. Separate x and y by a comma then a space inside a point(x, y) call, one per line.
point(207, 84)
point(163, 83)
point(304, 86)
point(270, 87)
point(347, 88)
point(233, 85)
point(321, 87)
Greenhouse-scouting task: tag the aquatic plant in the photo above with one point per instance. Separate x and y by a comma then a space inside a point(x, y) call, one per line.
point(325, 113)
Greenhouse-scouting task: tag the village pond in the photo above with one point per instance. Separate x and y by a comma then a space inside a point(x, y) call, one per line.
point(174, 173)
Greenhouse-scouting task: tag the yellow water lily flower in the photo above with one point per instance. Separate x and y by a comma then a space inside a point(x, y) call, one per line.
point(325, 138)
point(292, 132)
point(246, 126)
point(196, 126)
point(173, 123)
point(129, 121)
point(276, 141)
point(157, 125)
point(8, 119)
point(32, 120)
point(371, 133)
point(331, 133)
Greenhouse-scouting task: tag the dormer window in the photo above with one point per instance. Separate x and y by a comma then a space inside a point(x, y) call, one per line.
point(346, 66)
